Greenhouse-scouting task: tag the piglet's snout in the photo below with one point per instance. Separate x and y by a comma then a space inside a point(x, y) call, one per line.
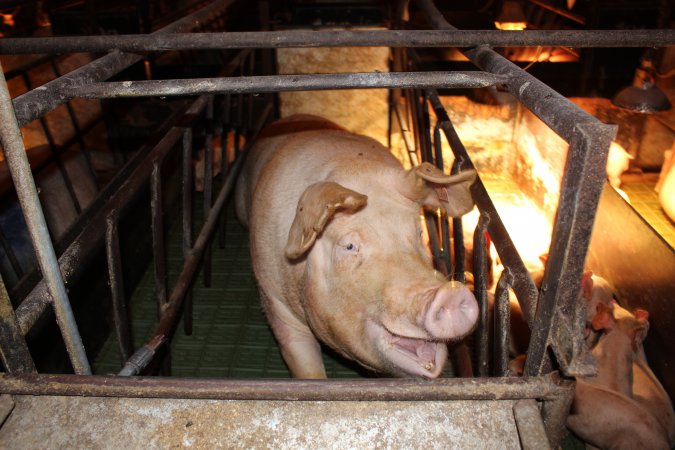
point(452, 313)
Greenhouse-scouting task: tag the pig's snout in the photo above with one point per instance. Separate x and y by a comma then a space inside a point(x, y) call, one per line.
point(452, 313)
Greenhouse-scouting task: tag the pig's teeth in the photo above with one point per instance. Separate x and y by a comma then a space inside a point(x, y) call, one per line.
point(430, 365)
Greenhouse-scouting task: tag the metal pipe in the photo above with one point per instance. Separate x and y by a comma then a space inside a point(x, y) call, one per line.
point(208, 184)
point(547, 388)
point(158, 240)
point(282, 83)
point(76, 254)
point(116, 280)
point(187, 219)
point(458, 235)
point(37, 102)
point(480, 273)
point(19, 167)
point(502, 325)
point(343, 38)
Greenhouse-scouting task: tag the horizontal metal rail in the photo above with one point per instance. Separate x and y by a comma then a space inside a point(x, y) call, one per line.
point(549, 387)
point(36, 103)
point(341, 38)
point(283, 83)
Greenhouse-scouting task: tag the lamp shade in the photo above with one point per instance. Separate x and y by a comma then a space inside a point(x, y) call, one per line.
point(645, 99)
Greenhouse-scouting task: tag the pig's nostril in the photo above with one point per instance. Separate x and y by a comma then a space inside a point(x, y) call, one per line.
point(452, 313)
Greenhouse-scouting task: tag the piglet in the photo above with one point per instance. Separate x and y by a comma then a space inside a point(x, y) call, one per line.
point(609, 420)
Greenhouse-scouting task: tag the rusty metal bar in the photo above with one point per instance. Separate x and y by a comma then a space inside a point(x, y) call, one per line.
point(187, 219)
point(14, 352)
point(502, 324)
point(530, 425)
point(342, 38)
point(547, 388)
point(523, 285)
point(582, 184)
point(282, 83)
point(17, 160)
point(458, 235)
point(116, 280)
point(480, 274)
point(76, 253)
point(37, 102)
point(171, 313)
point(158, 240)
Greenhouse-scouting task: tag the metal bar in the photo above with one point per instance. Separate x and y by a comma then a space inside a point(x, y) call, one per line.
point(158, 241)
point(17, 160)
point(208, 184)
point(282, 83)
point(530, 425)
point(37, 102)
point(405, 132)
point(548, 388)
point(171, 313)
point(580, 191)
point(187, 219)
point(480, 273)
point(116, 280)
point(76, 253)
point(342, 38)
point(14, 352)
point(458, 235)
point(555, 414)
point(502, 325)
point(561, 12)
point(523, 285)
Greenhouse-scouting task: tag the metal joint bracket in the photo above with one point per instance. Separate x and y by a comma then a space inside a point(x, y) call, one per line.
point(568, 345)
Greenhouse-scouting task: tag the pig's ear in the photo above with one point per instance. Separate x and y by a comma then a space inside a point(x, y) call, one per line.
point(434, 189)
point(316, 207)
point(642, 328)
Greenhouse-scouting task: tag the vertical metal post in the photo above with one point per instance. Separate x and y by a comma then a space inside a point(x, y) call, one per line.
point(15, 154)
point(187, 220)
point(445, 226)
point(13, 349)
point(458, 236)
point(116, 279)
point(480, 274)
point(208, 183)
point(502, 325)
point(159, 252)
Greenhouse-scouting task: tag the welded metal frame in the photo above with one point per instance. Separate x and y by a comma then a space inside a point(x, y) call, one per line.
point(589, 142)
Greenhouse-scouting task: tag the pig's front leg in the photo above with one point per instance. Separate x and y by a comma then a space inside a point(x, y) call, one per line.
point(299, 348)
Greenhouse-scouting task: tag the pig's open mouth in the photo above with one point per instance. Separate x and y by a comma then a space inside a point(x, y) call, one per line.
point(411, 355)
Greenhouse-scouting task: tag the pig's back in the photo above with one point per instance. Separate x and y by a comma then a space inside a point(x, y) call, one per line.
point(271, 139)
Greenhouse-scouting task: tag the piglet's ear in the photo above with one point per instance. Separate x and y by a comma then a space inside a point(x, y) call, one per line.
point(433, 189)
point(316, 207)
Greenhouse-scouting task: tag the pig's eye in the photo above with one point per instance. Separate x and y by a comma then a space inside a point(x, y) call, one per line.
point(350, 247)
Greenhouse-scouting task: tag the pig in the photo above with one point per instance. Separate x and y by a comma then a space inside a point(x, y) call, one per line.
point(618, 161)
point(616, 349)
point(609, 420)
point(666, 185)
point(336, 248)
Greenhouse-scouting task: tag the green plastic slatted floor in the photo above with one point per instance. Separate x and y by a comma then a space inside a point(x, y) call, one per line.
point(230, 337)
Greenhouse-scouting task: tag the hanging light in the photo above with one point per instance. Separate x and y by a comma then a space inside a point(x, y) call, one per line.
point(511, 17)
point(643, 96)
